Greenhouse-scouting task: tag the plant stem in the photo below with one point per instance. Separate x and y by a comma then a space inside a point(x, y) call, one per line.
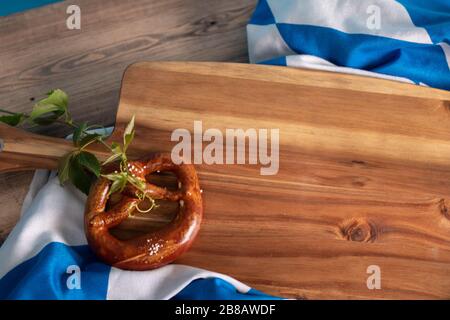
point(87, 144)
point(105, 144)
point(70, 124)
point(8, 112)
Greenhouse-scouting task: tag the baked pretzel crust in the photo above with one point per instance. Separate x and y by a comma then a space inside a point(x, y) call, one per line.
point(154, 249)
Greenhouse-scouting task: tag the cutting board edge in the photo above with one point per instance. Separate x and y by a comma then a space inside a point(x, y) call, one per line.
point(294, 75)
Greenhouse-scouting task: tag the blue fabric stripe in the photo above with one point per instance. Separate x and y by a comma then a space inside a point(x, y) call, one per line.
point(262, 14)
point(418, 62)
point(44, 276)
point(280, 61)
point(13, 6)
point(432, 15)
point(218, 289)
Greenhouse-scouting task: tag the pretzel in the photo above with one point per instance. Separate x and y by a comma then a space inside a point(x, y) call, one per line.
point(154, 249)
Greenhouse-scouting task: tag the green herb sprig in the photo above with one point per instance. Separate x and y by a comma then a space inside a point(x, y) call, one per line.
point(79, 166)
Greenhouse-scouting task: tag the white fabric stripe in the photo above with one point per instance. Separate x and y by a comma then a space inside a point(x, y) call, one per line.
point(265, 42)
point(351, 16)
point(317, 63)
point(40, 178)
point(446, 49)
point(54, 215)
point(162, 283)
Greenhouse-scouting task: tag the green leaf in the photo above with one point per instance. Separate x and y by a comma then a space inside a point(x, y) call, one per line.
point(45, 114)
point(138, 183)
point(113, 176)
point(119, 181)
point(117, 186)
point(112, 158)
point(78, 133)
point(128, 135)
point(79, 177)
point(130, 127)
point(116, 148)
point(87, 139)
point(48, 110)
point(56, 97)
point(88, 161)
point(128, 139)
point(117, 153)
point(64, 167)
point(13, 120)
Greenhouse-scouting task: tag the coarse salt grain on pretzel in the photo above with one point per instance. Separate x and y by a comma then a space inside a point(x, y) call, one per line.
point(154, 249)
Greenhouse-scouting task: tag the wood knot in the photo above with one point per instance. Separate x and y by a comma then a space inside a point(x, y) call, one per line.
point(359, 181)
point(359, 230)
point(358, 163)
point(446, 105)
point(211, 24)
point(443, 209)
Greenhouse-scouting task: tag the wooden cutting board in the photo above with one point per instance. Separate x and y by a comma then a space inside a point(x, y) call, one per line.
point(364, 177)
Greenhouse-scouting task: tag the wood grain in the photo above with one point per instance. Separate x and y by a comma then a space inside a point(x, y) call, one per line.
point(364, 177)
point(38, 53)
point(22, 150)
point(11, 197)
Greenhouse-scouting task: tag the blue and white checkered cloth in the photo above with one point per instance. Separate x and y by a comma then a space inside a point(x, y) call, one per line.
point(407, 40)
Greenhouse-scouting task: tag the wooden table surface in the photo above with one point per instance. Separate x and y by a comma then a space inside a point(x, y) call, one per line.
point(39, 53)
